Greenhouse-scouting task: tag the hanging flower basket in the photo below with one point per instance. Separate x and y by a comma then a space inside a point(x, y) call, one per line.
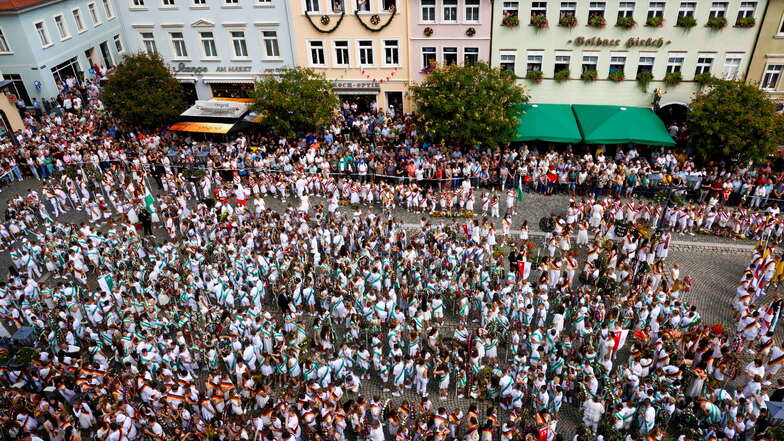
point(643, 79)
point(470, 32)
point(654, 22)
point(539, 21)
point(325, 20)
point(716, 23)
point(568, 21)
point(625, 22)
point(428, 31)
point(597, 21)
point(745, 22)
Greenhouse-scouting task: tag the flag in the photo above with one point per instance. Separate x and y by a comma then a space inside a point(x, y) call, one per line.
point(543, 433)
point(619, 338)
point(106, 282)
point(524, 269)
point(520, 189)
point(149, 201)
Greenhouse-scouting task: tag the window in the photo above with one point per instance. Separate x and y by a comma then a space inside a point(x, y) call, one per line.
point(428, 10)
point(686, 9)
point(450, 10)
point(470, 55)
point(704, 63)
point(718, 9)
point(511, 9)
point(168, 3)
point(365, 52)
point(562, 61)
point(771, 77)
point(538, 8)
point(596, 9)
point(363, 5)
point(17, 87)
point(508, 60)
point(118, 44)
point(108, 9)
point(675, 63)
point(148, 41)
point(4, 47)
point(178, 43)
point(732, 66)
point(239, 44)
point(43, 34)
point(391, 53)
point(312, 5)
point(747, 9)
point(389, 4)
point(534, 60)
point(617, 62)
point(781, 26)
point(94, 14)
point(208, 44)
point(317, 53)
point(590, 61)
point(271, 47)
point(646, 63)
point(341, 53)
point(137, 3)
point(626, 9)
point(450, 55)
point(231, 3)
point(428, 57)
point(199, 3)
point(655, 9)
point(568, 9)
point(77, 15)
point(61, 27)
point(472, 10)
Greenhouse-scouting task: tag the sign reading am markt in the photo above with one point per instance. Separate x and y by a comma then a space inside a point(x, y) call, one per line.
point(610, 42)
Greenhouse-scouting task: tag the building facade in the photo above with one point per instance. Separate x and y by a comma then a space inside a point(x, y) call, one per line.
point(616, 42)
point(215, 47)
point(767, 64)
point(448, 32)
point(361, 46)
point(46, 42)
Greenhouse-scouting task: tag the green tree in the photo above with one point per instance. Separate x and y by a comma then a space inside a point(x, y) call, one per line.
point(734, 120)
point(296, 100)
point(143, 92)
point(468, 104)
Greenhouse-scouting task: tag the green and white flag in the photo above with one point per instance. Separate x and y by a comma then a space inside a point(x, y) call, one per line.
point(106, 282)
point(520, 189)
point(149, 201)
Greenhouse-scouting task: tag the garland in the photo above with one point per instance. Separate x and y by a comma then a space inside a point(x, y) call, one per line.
point(326, 31)
point(375, 19)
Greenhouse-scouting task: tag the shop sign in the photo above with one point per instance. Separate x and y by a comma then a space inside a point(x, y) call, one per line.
point(614, 42)
point(233, 69)
point(356, 85)
point(184, 68)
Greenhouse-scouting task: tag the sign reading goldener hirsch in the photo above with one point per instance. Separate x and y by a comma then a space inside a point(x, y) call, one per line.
point(610, 42)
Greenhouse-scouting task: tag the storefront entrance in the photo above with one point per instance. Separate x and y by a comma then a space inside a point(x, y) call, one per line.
point(363, 102)
point(68, 69)
point(188, 93)
point(395, 102)
point(232, 90)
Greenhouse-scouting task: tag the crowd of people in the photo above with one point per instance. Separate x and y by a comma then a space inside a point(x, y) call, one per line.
point(331, 319)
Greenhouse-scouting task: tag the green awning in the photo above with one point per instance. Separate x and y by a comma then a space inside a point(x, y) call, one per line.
point(546, 122)
point(620, 125)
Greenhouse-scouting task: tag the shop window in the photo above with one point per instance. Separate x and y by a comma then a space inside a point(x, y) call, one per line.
point(450, 55)
point(470, 55)
point(428, 57)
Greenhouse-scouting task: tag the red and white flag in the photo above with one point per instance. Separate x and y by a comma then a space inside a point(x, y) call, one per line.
point(619, 338)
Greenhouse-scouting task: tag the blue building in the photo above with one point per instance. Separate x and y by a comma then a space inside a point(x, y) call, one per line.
point(216, 48)
point(46, 42)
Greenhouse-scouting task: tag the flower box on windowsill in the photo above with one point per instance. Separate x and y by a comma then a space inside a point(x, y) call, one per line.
point(617, 76)
point(534, 75)
point(561, 75)
point(716, 23)
point(643, 79)
point(703, 79)
point(511, 21)
point(539, 21)
point(654, 22)
point(687, 22)
point(589, 75)
point(745, 22)
point(625, 22)
point(597, 21)
point(673, 79)
point(568, 21)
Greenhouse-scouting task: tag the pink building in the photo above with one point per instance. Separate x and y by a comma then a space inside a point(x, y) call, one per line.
point(448, 31)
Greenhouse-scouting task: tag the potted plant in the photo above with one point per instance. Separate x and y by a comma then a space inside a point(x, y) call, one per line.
point(672, 78)
point(561, 76)
point(687, 21)
point(745, 22)
point(625, 22)
point(643, 79)
point(589, 75)
point(510, 21)
point(616, 75)
point(716, 23)
point(655, 21)
point(703, 78)
point(596, 21)
point(568, 21)
point(428, 31)
point(534, 75)
point(539, 21)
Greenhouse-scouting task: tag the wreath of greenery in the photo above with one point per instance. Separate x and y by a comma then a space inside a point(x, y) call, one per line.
point(325, 21)
point(375, 19)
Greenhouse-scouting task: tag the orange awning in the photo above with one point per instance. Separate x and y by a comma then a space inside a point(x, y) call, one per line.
point(233, 100)
point(201, 127)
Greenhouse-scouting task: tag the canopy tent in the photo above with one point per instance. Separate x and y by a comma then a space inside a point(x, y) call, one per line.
point(546, 122)
point(620, 125)
point(217, 115)
point(201, 127)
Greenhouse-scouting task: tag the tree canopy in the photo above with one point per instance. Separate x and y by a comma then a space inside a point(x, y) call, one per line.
point(734, 120)
point(296, 100)
point(468, 104)
point(142, 91)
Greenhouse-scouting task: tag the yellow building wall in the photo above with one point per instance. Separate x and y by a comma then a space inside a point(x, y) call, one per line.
point(769, 48)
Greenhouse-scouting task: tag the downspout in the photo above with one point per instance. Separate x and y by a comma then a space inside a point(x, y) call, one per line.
point(492, 30)
point(292, 43)
point(410, 80)
point(756, 41)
